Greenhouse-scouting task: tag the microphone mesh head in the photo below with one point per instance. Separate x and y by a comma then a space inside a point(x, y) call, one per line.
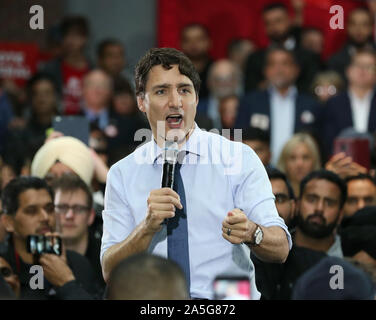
point(170, 151)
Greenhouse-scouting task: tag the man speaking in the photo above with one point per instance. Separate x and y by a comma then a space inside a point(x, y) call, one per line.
point(221, 203)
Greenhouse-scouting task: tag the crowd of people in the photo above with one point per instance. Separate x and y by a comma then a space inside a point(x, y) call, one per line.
point(292, 107)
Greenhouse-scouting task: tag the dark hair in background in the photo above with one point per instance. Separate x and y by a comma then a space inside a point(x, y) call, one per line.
point(360, 9)
point(165, 57)
point(273, 6)
point(253, 133)
point(194, 25)
point(102, 46)
point(75, 23)
point(144, 276)
point(274, 173)
point(360, 176)
point(71, 183)
point(12, 191)
point(278, 48)
point(40, 76)
point(329, 176)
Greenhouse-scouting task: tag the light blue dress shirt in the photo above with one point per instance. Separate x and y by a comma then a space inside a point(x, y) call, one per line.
point(282, 119)
point(218, 175)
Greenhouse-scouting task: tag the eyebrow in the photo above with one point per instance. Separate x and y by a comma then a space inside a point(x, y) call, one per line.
point(166, 85)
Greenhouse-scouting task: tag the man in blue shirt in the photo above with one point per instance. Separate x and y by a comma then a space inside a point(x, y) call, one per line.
point(225, 206)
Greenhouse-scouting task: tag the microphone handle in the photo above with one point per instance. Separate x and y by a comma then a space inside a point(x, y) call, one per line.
point(168, 178)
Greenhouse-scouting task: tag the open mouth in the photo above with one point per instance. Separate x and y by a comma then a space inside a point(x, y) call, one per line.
point(174, 120)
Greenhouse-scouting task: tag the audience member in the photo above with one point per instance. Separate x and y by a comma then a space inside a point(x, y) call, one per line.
point(359, 28)
point(259, 141)
point(284, 195)
point(326, 84)
point(312, 39)
point(320, 211)
point(147, 277)
point(111, 57)
point(9, 276)
point(317, 283)
point(356, 107)
point(223, 80)
point(299, 156)
point(361, 192)
point(70, 68)
point(195, 43)
point(63, 155)
point(281, 33)
point(281, 109)
point(228, 110)
point(238, 50)
point(344, 166)
point(6, 116)
point(74, 207)
point(28, 209)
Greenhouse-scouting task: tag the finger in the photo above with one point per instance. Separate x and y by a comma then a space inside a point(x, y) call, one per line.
point(161, 215)
point(232, 239)
point(166, 199)
point(236, 219)
point(166, 192)
point(241, 234)
point(337, 157)
point(236, 226)
point(344, 162)
point(162, 207)
point(236, 211)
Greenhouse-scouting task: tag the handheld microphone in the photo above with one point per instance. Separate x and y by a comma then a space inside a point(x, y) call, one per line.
point(169, 156)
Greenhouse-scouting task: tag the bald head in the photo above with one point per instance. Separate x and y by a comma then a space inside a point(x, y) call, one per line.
point(224, 78)
point(97, 88)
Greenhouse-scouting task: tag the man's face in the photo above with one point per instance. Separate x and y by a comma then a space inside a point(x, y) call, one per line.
point(319, 209)
point(360, 193)
point(73, 213)
point(223, 79)
point(277, 24)
point(195, 43)
point(280, 69)
point(362, 71)
point(261, 148)
point(56, 171)
point(74, 42)
point(35, 214)
point(9, 276)
point(97, 90)
point(314, 41)
point(228, 109)
point(113, 60)
point(170, 100)
point(285, 205)
point(359, 28)
point(299, 163)
point(43, 97)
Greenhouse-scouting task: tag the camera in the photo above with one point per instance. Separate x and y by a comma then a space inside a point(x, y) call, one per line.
point(39, 244)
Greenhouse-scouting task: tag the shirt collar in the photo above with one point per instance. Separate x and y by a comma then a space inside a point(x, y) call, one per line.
point(291, 93)
point(196, 144)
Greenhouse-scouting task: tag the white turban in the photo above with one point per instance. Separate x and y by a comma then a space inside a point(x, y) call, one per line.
point(69, 151)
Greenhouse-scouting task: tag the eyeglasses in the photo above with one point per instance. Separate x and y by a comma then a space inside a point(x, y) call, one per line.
point(77, 209)
point(281, 198)
point(6, 272)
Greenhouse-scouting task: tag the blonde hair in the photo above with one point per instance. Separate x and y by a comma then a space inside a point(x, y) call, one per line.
point(291, 144)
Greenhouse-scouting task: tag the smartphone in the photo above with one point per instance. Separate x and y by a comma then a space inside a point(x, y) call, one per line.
point(356, 148)
point(232, 288)
point(73, 126)
point(39, 244)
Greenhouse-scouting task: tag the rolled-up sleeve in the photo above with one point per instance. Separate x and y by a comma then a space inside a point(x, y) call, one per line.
point(253, 193)
point(118, 221)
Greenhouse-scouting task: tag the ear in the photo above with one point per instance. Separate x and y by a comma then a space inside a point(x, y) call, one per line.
point(91, 217)
point(7, 222)
point(141, 103)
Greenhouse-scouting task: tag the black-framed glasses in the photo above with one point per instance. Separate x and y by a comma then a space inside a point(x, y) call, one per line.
point(6, 272)
point(281, 198)
point(77, 208)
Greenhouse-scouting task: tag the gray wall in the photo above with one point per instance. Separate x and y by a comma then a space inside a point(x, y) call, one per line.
point(133, 22)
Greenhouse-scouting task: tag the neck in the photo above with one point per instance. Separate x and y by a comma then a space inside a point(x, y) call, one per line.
point(44, 119)
point(303, 240)
point(76, 59)
point(20, 246)
point(78, 245)
point(360, 92)
point(161, 141)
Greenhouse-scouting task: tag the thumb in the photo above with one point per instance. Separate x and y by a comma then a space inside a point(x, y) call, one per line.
point(229, 214)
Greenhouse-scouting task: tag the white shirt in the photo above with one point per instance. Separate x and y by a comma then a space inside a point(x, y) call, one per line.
point(218, 175)
point(282, 109)
point(360, 109)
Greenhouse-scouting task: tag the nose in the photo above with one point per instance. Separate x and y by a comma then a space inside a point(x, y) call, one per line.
point(69, 214)
point(361, 204)
point(175, 100)
point(44, 214)
point(319, 206)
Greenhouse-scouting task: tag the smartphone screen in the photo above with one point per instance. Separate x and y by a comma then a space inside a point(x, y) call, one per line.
point(73, 126)
point(232, 288)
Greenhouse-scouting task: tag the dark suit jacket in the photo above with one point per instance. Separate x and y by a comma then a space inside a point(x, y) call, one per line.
point(257, 104)
point(337, 116)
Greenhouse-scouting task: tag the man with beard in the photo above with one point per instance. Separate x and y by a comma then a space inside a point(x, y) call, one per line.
point(359, 33)
point(28, 209)
point(320, 211)
point(322, 196)
point(281, 33)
